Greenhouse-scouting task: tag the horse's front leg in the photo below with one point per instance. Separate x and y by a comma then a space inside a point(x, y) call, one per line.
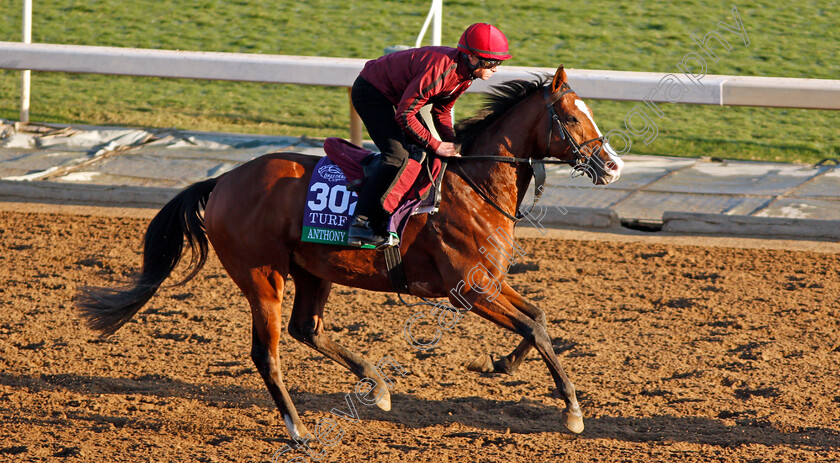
point(510, 363)
point(500, 309)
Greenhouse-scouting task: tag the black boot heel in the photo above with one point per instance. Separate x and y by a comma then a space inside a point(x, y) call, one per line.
point(360, 233)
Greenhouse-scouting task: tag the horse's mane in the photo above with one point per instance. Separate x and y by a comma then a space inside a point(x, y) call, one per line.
point(502, 98)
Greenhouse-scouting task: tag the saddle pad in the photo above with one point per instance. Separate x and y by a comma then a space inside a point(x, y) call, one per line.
point(329, 205)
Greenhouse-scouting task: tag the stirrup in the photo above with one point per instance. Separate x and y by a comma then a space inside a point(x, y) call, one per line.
point(392, 240)
point(361, 234)
point(364, 243)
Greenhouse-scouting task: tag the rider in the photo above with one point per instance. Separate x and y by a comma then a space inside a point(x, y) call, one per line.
point(388, 95)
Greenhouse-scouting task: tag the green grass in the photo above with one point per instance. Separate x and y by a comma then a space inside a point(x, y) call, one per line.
point(788, 39)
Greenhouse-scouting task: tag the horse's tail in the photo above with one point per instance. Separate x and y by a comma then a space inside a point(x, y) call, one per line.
point(107, 309)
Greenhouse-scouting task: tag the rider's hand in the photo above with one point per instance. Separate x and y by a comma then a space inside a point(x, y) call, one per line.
point(446, 150)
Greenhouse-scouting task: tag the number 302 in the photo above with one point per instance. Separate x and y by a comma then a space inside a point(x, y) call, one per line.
point(337, 198)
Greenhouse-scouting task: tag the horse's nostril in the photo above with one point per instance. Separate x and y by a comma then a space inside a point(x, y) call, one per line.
point(610, 165)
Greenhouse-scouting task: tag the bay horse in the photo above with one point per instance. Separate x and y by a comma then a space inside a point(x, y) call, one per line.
point(252, 216)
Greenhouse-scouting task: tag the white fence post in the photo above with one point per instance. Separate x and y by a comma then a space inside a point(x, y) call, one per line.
point(356, 124)
point(26, 75)
point(437, 5)
point(435, 17)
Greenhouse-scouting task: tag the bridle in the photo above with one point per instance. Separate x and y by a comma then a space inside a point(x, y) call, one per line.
point(580, 165)
point(582, 162)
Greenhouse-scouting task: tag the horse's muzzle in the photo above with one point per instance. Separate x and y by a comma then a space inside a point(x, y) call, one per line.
point(610, 170)
point(601, 172)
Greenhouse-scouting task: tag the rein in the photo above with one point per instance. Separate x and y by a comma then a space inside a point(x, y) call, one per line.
point(581, 163)
point(537, 172)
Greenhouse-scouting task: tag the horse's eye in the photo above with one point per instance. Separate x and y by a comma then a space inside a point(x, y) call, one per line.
point(572, 120)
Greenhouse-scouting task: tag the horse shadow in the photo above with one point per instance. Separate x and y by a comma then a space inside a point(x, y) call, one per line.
point(520, 417)
point(529, 417)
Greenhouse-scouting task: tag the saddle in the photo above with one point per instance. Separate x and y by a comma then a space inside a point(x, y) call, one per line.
point(420, 179)
point(332, 193)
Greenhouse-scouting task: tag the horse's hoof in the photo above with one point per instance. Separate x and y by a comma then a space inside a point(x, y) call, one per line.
point(573, 421)
point(297, 431)
point(384, 400)
point(503, 366)
point(482, 364)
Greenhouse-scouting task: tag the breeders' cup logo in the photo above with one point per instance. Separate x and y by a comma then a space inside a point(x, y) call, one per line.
point(332, 173)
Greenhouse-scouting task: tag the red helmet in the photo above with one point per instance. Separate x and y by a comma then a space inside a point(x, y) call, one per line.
point(485, 41)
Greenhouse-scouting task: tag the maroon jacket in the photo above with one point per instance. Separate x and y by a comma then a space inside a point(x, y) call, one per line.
point(413, 78)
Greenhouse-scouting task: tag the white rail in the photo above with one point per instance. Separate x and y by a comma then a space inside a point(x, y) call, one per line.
point(341, 72)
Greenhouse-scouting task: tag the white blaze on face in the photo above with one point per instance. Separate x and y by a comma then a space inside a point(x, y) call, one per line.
point(617, 162)
point(585, 109)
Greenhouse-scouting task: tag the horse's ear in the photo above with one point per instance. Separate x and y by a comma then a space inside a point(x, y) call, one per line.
point(559, 79)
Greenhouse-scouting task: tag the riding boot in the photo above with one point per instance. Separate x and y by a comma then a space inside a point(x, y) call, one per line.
point(368, 223)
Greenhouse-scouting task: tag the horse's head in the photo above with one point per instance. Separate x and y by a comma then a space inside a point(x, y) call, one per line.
point(573, 135)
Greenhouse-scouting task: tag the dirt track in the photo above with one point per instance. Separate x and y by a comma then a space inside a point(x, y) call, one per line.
point(679, 353)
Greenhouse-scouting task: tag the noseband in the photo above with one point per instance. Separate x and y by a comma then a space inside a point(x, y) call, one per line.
point(580, 164)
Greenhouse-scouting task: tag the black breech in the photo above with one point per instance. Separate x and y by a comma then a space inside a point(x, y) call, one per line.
point(377, 112)
point(378, 115)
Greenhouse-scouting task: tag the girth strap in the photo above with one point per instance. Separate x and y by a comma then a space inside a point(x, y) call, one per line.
point(396, 270)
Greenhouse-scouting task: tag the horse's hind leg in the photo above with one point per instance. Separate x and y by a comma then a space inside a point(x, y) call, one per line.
point(265, 299)
point(307, 326)
point(511, 362)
